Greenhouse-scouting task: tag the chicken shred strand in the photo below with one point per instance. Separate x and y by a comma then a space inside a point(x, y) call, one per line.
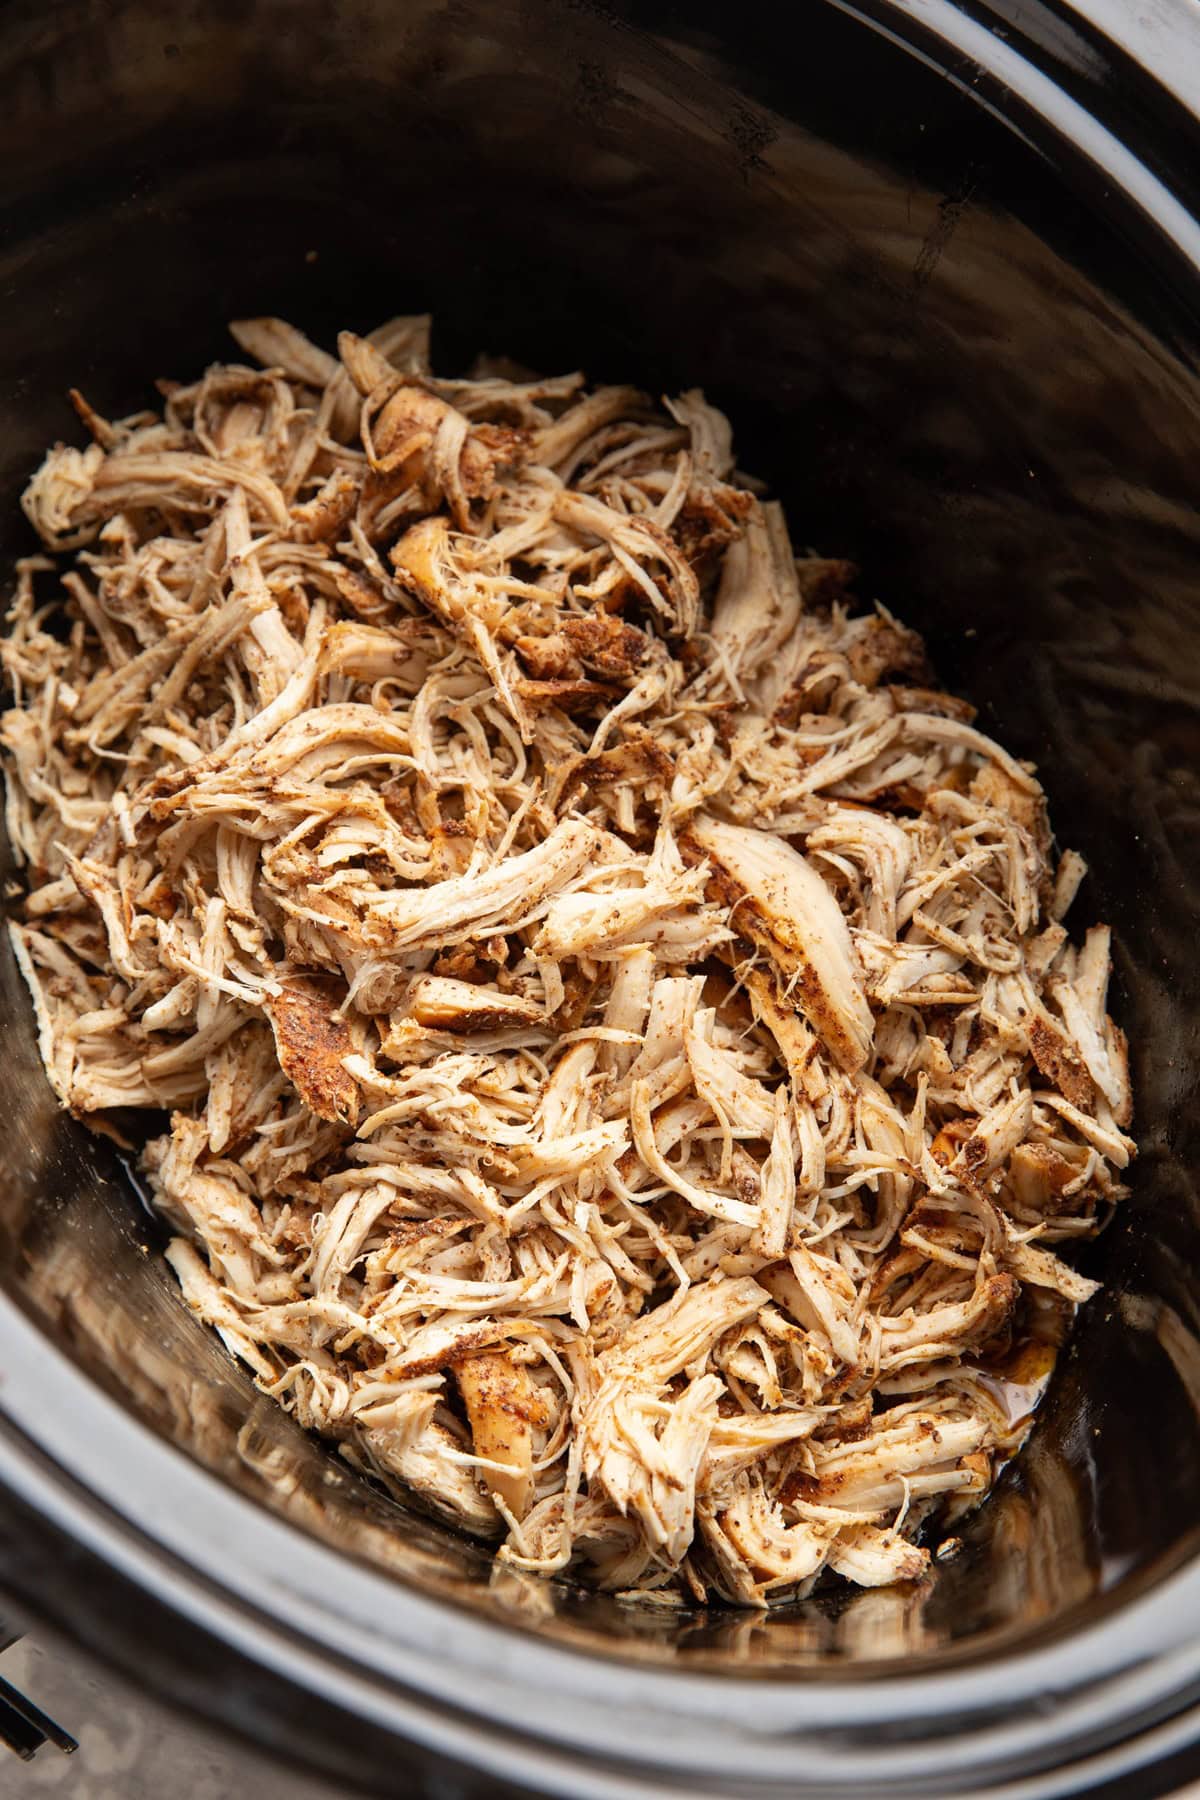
point(628, 1081)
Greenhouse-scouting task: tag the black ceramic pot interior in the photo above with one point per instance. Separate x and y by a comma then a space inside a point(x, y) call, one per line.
point(955, 362)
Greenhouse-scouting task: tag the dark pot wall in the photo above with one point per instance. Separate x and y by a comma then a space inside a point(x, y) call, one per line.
point(960, 357)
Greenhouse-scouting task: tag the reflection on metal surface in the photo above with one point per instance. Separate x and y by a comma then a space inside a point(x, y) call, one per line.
point(1159, 34)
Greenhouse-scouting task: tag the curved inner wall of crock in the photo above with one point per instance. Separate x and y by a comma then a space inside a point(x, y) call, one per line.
point(884, 287)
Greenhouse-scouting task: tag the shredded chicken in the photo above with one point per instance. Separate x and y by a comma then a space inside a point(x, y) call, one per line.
point(628, 1079)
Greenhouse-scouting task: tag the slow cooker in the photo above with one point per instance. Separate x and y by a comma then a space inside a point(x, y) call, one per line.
point(941, 262)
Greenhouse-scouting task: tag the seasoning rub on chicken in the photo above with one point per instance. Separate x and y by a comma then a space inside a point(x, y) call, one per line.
point(629, 1081)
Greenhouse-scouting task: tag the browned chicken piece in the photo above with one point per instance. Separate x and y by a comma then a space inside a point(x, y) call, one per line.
point(312, 1043)
point(503, 1410)
point(629, 1083)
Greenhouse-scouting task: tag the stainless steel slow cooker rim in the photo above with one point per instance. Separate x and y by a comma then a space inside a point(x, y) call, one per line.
point(1054, 118)
point(405, 1660)
point(1128, 1671)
